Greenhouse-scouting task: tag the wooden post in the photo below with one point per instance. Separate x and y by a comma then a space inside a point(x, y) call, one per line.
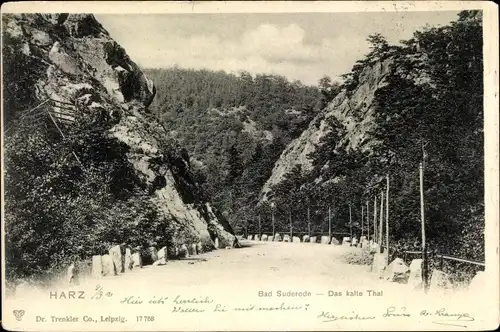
point(290, 212)
point(387, 216)
point(329, 223)
point(350, 221)
point(375, 230)
point(381, 229)
point(422, 220)
point(362, 218)
point(260, 229)
point(308, 222)
point(368, 218)
point(272, 217)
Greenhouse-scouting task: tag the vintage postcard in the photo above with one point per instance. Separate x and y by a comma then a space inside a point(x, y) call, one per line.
point(250, 166)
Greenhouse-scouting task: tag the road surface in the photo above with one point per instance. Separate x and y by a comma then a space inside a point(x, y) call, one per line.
point(312, 279)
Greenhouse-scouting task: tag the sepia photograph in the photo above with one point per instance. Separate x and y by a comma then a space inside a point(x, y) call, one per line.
point(230, 166)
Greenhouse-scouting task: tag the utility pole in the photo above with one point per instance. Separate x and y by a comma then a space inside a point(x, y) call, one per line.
point(362, 218)
point(381, 230)
point(246, 227)
point(387, 215)
point(329, 223)
point(308, 222)
point(350, 221)
point(375, 230)
point(368, 218)
point(422, 219)
point(272, 216)
point(260, 229)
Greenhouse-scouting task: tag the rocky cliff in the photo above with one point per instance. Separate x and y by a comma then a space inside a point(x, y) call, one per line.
point(352, 109)
point(78, 64)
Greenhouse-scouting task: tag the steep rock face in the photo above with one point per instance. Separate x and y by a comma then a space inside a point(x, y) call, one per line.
point(353, 110)
point(81, 65)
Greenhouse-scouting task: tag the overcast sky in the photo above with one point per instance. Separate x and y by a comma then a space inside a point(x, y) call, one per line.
point(302, 46)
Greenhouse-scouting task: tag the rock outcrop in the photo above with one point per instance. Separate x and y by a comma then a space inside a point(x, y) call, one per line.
point(82, 66)
point(354, 111)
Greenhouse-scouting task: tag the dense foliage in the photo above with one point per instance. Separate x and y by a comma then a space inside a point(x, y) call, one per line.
point(235, 127)
point(96, 186)
point(430, 108)
point(66, 198)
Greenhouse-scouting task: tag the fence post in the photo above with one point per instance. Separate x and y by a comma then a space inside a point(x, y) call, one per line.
point(375, 230)
point(260, 230)
point(422, 220)
point(387, 216)
point(350, 221)
point(381, 230)
point(329, 223)
point(308, 223)
point(368, 218)
point(362, 218)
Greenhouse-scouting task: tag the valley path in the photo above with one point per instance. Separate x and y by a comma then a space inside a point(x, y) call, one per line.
point(263, 265)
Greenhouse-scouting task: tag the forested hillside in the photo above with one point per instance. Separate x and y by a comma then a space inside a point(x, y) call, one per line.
point(234, 127)
point(86, 166)
point(422, 99)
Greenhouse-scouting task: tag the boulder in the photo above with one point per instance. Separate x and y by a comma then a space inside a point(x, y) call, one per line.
point(118, 258)
point(397, 271)
point(440, 280)
point(216, 243)
point(249, 237)
point(263, 237)
point(256, 237)
point(374, 248)
point(277, 237)
point(72, 274)
point(162, 257)
point(477, 284)
point(415, 277)
point(325, 239)
point(128, 260)
point(306, 238)
point(162, 253)
point(335, 241)
point(296, 239)
point(136, 260)
point(108, 266)
point(286, 238)
point(153, 254)
point(346, 241)
point(199, 248)
point(224, 238)
point(183, 251)
point(313, 239)
point(97, 266)
point(269, 238)
point(354, 241)
point(194, 250)
point(379, 264)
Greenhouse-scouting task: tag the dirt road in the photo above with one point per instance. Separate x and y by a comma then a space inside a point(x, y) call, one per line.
point(253, 287)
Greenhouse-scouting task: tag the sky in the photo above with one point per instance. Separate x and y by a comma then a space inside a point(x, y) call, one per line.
point(301, 46)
